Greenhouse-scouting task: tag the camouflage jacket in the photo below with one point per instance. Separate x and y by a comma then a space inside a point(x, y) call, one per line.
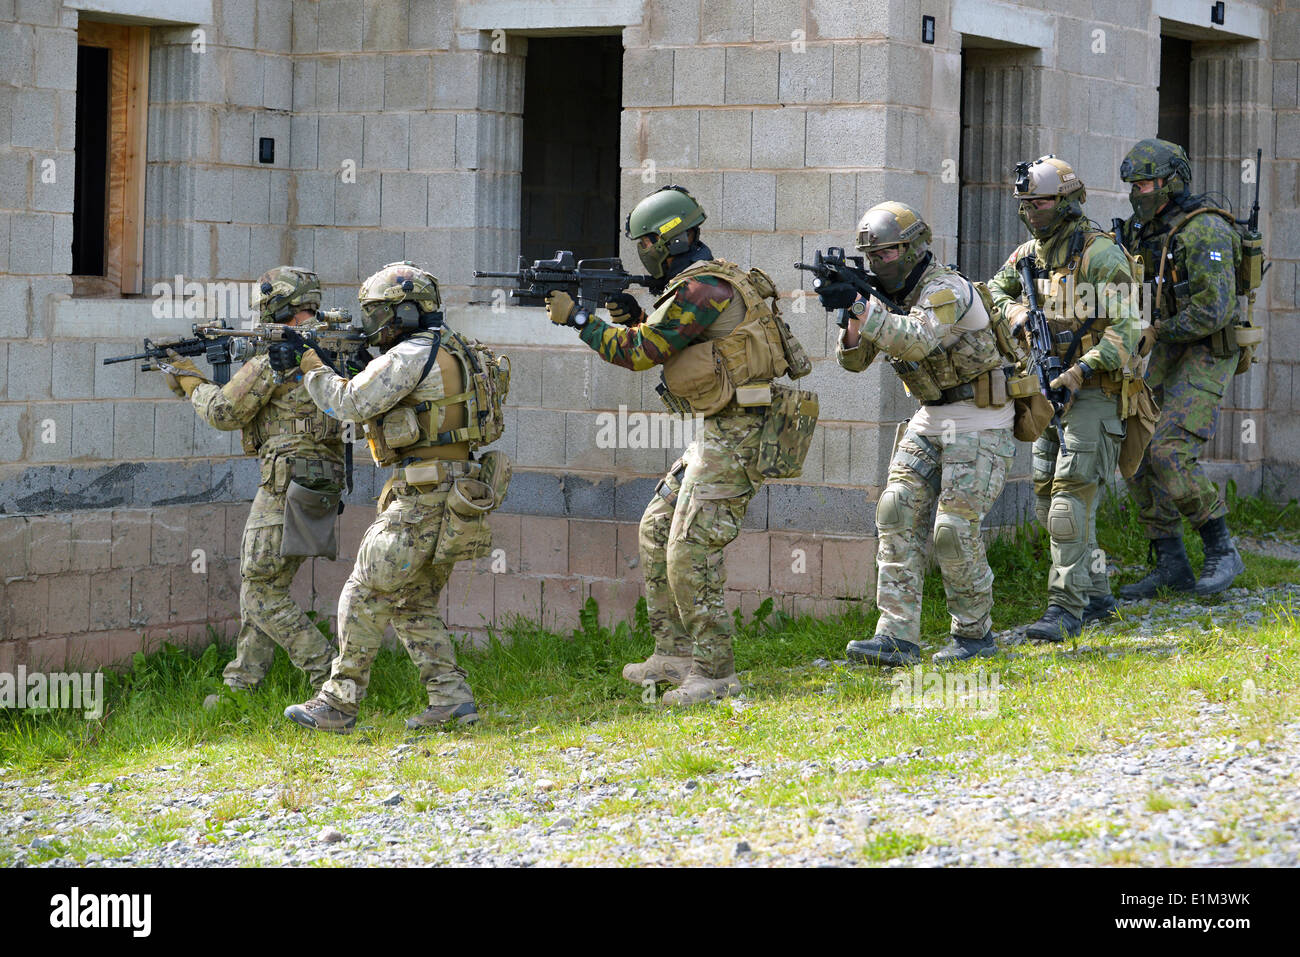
point(1103, 270)
point(1206, 251)
point(938, 308)
point(277, 420)
point(697, 303)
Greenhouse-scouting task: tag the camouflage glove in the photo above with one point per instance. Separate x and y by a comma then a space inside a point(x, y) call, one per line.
point(624, 309)
point(182, 386)
point(310, 360)
point(560, 308)
point(1017, 314)
point(1072, 379)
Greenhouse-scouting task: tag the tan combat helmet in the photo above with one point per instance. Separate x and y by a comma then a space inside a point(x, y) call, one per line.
point(893, 224)
point(285, 291)
point(402, 298)
point(1048, 178)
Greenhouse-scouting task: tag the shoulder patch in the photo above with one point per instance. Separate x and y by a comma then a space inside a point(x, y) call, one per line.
point(943, 303)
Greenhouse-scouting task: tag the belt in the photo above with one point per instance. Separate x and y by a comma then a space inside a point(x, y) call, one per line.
point(290, 427)
point(955, 394)
point(434, 472)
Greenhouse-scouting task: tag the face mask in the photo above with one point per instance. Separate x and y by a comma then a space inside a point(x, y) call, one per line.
point(1145, 205)
point(893, 274)
point(1041, 222)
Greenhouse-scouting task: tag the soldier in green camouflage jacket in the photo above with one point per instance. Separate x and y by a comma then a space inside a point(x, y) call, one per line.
point(956, 449)
point(293, 441)
point(1192, 363)
point(700, 505)
point(1085, 285)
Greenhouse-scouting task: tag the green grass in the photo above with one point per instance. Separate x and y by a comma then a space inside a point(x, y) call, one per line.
point(820, 736)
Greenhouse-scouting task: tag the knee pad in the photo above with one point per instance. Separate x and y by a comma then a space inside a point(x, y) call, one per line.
point(894, 511)
point(949, 538)
point(1066, 520)
point(1042, 505)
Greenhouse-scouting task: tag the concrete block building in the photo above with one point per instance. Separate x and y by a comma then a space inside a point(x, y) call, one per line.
point(155, 154)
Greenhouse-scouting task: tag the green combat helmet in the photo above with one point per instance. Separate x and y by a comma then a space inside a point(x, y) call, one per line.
point(1046, 178)
point(402, 298)
point(1156, 159)
point(668, 214)
point(893, 224)
point(285, 290)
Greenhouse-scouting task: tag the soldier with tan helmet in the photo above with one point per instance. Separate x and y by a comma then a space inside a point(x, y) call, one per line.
point(426, 404)
point(1084, 283)
point(716, 332)
point(301, 453)
point(952, 352)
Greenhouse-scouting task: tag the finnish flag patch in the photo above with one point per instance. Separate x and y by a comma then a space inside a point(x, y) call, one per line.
point(1217, 256)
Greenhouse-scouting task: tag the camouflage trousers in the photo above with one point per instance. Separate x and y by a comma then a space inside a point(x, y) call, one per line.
point(396, 582)
point(697, 511)
point(1067, 485)
point(1189, 383)
point(966, 476)
point(268, 614)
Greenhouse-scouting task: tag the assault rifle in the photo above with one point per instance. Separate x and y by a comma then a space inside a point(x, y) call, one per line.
point(333, 344)
point(216, 349)
point(591, 282)
point(1042, 351)
point(834, 266)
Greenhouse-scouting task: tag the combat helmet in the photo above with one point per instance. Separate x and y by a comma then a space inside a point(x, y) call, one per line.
point(402, 298)
point(1048, 178)
point(285, 290)
point(893, 224)
point(1156, 159)
point(668, 214)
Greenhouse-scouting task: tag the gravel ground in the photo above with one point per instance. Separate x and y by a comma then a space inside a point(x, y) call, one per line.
point(1219, 801)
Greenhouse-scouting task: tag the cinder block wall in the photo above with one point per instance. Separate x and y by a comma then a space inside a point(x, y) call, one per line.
point(787, 119)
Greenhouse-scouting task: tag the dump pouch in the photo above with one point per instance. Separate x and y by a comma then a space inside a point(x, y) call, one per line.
point(787, 432)
point(465, 532)
point(309, 522)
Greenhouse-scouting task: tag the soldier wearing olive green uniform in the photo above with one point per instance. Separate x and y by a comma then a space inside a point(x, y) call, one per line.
point(417, 388)
point(294, 441)
point(706, 311)
point(1193, 360)
point(1084, 287)
point(956, 448)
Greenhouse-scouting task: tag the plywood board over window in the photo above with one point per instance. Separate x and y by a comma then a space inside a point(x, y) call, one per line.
point(128, 109)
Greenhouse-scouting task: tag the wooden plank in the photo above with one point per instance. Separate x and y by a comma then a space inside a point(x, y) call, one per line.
point(135, 142)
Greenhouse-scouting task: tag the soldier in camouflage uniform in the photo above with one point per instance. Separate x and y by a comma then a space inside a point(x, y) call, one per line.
point(700, 504)
point(293, 440)
point(955, 449)
point(1192, 363)
point(1097, 335)
point(407, 555)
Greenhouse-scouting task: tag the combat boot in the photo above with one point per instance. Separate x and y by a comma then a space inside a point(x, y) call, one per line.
point(1222, 561)
point(437, 715)
point(320, 715)
point(1172, 571)
point(1057, 624)
point(1100, 608)
point(670, 668)
point(963, 648)
point(885, 651)
point(699, 688)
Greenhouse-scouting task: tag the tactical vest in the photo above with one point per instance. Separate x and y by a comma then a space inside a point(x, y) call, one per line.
point(410, 430)
point(304, 418)
point(1067, 313)
point(965, 364)
point(741, 351)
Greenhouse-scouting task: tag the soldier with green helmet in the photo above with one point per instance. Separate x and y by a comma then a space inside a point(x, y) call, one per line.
point(704, 308)
point(1084, 281)
point(956, 449)
point(1194, 253)
point(414, 403)
point(296, 444)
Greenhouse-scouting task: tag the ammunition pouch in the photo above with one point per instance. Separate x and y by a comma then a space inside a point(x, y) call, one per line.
point(787, 432)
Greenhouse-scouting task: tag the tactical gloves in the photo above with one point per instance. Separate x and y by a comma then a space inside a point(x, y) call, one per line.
point(182, 386)
point(283, 357)
point(1017, 315)
point(560, 308)
point(836, 295)
point(624, 309)
point(1072, 378)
